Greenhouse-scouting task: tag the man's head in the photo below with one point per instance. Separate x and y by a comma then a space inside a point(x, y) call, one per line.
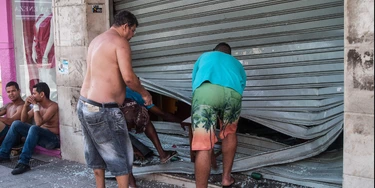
point(223, 47)
point(127, 22)
point(40, 91)
point(13, 91)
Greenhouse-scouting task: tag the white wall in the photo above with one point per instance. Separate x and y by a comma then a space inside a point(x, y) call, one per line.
point(359, 94)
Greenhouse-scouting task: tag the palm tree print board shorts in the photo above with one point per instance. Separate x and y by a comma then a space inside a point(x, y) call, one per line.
point(211, 104)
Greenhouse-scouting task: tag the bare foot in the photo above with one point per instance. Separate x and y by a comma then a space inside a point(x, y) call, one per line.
point(228, 183)
point(168, 156)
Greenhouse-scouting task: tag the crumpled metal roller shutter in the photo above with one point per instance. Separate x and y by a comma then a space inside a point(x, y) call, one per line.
point(292, 50)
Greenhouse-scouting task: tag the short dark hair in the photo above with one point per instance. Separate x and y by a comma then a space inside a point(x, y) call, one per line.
point(223, 47)
point(125, 17)
point(42, 87)
point(12, 83)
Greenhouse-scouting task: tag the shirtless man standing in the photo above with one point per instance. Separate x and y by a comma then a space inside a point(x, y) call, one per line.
point(45, 132)
point(12, 110)
point(109, 71)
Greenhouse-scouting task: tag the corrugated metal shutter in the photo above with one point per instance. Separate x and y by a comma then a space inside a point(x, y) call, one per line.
point(292, 50)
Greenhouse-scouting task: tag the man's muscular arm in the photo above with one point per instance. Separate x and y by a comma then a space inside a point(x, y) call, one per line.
point(42, 119)
point(26, 114)
point(16, 116)
point(3, 110)
point(123, 53)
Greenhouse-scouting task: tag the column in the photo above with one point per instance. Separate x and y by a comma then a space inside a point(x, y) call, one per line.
point(359, 94)
point(7, 58)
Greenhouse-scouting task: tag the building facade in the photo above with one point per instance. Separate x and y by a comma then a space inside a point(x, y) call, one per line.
point(77, 22)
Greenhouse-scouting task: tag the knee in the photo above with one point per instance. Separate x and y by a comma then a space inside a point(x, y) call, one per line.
point(34, 129)
point(16, 124)
point(98, 172)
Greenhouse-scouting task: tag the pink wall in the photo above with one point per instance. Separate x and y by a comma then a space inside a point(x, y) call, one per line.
point(7, 57)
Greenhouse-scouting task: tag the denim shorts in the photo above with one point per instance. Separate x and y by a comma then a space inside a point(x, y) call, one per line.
point(107, 142)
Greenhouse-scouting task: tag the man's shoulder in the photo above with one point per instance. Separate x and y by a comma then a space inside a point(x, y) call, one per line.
point(5, 107)
point(53, 104)
point(112, 38)
point(7, 104)
point(207, 54)
point(12, 104)
point(107, 38)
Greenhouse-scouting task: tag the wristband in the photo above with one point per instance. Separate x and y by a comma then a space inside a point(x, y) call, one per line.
point(36, 107)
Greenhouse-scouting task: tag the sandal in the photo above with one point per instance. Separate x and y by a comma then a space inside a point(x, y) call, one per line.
point(172, 154)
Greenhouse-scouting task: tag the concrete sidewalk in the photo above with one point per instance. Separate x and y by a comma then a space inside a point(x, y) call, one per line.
point(50, 172)
point(47, 172)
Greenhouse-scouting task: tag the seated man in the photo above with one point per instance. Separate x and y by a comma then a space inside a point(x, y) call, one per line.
point(137, 117)
point(12, 110)
point(45, 132)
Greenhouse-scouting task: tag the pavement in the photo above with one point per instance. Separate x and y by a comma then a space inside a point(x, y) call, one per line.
point(47, 172)
point(50, 172)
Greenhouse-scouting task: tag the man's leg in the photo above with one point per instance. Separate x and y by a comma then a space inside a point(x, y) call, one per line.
point(132, 181)
point(140, 150)
point(123, 181)
point(37, 135)
point(207, 99)
point(153, 136)
point(3, 131)
point(99, 178)
point(2, 126)
point(229, 147)
point(17, 129)
point(231, 116)
point(202, 168)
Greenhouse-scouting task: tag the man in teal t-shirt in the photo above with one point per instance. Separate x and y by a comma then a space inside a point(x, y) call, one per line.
point(218, 82)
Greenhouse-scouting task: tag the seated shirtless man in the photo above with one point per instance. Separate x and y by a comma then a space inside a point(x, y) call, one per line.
point(12, 110)
point(45, 132)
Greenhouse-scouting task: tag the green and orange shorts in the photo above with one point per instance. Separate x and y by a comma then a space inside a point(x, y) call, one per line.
point(213, 104)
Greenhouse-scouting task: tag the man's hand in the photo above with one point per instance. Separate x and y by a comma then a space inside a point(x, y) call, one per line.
point(30, 100)
point(147, 98)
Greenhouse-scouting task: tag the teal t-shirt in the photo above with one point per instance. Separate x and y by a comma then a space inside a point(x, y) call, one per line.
point(221, 69)
point(130, 94)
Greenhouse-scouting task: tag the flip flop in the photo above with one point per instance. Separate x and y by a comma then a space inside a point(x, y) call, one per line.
point(231, 185)
point(174, 153)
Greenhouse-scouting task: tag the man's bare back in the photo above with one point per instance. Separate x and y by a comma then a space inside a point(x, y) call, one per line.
point(109, 69)
point(103, 82)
